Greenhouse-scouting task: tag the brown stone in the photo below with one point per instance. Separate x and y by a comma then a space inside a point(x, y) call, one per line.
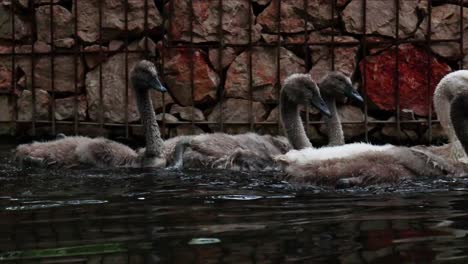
point(167, 117)
point(264, 73)
point(292, 16)
point(93, 58)
point(235, 22)
point(380, 17)
point(186, 129)
point(391, 131)
point(116, 45)
point(178, 76)
point(445, 24)
point(64, 73)
point(25, 105)
point(113, 18)
point(413, 83)
point(114, 89)
point(6, 77)
point(157, 99)
point(227, 57)
point(322, 56)
point(185, 113)
point(350, 113)
point(237, 110)
point(62, 23)
point(22, 28)
point(64, 108)
point(6, 108)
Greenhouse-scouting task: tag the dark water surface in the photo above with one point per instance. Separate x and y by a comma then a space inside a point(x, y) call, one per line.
point(158, 216)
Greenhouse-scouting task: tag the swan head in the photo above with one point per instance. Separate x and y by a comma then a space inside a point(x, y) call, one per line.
point(301, 89)
point(337, 85)
point(144, 75)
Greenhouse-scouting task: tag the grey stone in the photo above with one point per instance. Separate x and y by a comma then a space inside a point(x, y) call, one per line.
point(185, 113)
point(25, 105)
point(22, 28)
point(62, 23)
point(64, 108)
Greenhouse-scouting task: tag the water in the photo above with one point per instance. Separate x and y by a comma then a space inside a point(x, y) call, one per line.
point(158, 216)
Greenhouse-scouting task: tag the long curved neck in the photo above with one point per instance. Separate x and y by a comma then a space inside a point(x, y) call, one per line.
point(154, 142)
point(459, 119)
point(333, 124)
point(292, 123)
point(442, 106)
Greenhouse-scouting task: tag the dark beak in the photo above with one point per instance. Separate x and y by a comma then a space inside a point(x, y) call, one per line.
point(156, 85)
point(318, 102)
point(356, 96)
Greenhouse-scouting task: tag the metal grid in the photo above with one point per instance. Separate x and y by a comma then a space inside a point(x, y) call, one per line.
point(77, 52)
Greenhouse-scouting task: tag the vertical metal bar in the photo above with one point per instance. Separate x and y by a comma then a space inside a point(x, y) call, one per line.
point(126, 67)
point(101, 93)
point(33, 90)
point(462, 51)
point(220, 63)
point(429, 70)
point(364, 88)
point(13, 67)
point(332, 46)
point(278, 55)
point(165, 44)
point(396, 82)
point(192, 65)
point(307, 59)
point(75, 61)
point(145, 27)
point(251, 120)
point(52, 62)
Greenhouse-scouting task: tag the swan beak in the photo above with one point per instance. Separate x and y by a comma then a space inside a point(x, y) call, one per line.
point(356, 96)
point(156, 84)
point(318, 102)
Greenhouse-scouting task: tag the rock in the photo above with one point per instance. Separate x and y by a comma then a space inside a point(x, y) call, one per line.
point(22, 28)
point(380, 17)
point(237, 110)
point(264, 79)
point(6, 77)
point(25, 105)
point(167, 117)
point(350, 113)
point(437, 134)
point(413, 65)
point(292, 16)
point(113, 89)
point(113, 19)
point(157, 99)
point(391, 131)
point(235, 22)
point(228, 56)
point(185, 113)
point(92, 58)
point(64, 108)
point(445, 24)
point(6, 108)
point(116, 45)
point(344, 56)
point(64, 73)
point(62, 23)
point(186, 129)
point(64, 43)
point(274, 115)
point(262, 2)
point(178, 76)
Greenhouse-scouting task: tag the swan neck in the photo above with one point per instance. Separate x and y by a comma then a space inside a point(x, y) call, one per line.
point(292, 123)
point(333, 124)
point(153, 140)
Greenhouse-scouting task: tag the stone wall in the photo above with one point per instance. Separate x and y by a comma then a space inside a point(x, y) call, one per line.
point(69, 66)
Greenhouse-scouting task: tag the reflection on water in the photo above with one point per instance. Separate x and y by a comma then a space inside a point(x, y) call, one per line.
point(157, 216)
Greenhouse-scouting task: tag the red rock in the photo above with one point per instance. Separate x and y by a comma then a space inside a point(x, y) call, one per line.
point(413, 85)
point(380, 17)
point(206, 21)
point(178, 76)
point(6, 77)
point(264, 79)
point(292, 16)
point(228, 56)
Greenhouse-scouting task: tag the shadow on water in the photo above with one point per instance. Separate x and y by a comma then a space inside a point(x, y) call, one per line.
point(160, 216)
